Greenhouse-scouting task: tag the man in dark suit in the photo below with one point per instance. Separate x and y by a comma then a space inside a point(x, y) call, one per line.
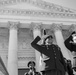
point(70, 44)
point(55, 64)
point(32, 70)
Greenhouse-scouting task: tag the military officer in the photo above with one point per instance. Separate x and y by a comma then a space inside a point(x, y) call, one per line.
point(70, 44)
point(55, 64)
point(32, 70)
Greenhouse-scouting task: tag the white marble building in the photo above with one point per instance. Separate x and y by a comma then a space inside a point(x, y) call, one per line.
point(22, 20)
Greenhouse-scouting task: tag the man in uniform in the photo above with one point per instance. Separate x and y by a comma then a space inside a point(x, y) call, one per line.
point(32, 70)
point(70, 44)
point(55, 64)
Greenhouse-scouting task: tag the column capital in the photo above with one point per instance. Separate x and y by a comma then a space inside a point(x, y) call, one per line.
point(72, 28)
point(35, 26)
point(56, 27)
point(13, 25)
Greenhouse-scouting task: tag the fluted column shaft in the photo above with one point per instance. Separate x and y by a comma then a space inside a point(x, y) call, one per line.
point(60, 41)
point(37, 32)
point(12, 50)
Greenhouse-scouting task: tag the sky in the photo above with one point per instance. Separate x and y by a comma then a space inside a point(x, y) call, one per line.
point(65, 3)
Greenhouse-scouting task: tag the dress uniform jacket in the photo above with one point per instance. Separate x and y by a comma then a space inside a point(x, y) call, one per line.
point(70, 46)
point(56, 60)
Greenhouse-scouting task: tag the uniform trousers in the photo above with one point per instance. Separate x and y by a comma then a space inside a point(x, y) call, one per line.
point(53, 72)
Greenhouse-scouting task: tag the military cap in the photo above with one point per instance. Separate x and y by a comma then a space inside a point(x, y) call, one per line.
point(31, 62)
point(48, 36)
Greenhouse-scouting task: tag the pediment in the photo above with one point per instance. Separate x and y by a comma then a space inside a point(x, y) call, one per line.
point(24, 6)
point(34, 10)
point(35, 4)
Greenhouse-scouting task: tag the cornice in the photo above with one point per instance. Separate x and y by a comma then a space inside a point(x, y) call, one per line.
point(36, 13)
point(41, 4)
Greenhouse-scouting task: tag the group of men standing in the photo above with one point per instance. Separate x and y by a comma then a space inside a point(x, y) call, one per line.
point(56, 64)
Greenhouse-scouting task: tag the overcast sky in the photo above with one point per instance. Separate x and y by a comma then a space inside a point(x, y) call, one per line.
point(65, 3)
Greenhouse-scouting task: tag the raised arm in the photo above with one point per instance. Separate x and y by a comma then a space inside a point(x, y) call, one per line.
point(35, 45)
point(67, 42)
point(38, 47)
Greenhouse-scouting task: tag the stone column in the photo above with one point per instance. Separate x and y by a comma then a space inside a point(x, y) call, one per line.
point(37, 32)
point(12, 50)
point(60, 40)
